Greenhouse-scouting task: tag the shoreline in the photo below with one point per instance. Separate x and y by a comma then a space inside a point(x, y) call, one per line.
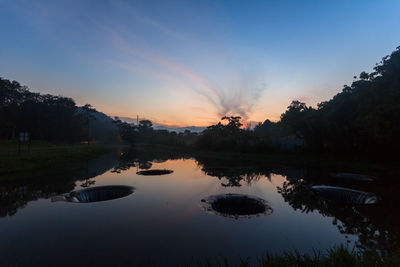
point(44, 156)
point(47, 156)
point(328, 162)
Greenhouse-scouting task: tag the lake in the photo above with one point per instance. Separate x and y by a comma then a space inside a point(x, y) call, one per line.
point(164, 221)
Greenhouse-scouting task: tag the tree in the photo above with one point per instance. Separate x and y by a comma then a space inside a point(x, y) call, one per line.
point(364, 76)
point(44, 116)
point(89, 118)
point(127, 132)
point(145, 124)
point(361, 118)
point(233, 121)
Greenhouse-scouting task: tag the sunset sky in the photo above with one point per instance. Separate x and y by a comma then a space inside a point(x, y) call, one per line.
point(186, 63)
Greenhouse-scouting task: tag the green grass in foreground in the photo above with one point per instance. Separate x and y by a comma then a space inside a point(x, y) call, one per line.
point(43, 155)
point(337, 256)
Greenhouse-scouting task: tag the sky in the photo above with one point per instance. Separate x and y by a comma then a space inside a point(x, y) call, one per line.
point(187, 63)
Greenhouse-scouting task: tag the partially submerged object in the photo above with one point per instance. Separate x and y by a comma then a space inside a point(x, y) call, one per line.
point(155, 172)
point(345, 195)
point(96, 194)
point(353, 176)
point(236, 206)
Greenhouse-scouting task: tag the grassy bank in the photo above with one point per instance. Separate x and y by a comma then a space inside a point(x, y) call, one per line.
point(43, 155)
point(340, 256)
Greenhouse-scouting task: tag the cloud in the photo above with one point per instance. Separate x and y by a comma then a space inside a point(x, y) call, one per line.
point(134, 12)
point(234, 98)
point(239, 101)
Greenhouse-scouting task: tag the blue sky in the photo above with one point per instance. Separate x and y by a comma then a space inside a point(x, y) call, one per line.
point(189, 62)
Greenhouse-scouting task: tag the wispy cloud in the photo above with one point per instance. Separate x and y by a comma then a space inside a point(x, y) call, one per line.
point(230, 99)
point(126, 7)
point(239, 100)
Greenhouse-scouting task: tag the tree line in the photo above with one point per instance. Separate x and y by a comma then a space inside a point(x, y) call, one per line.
point(363, 118)
point(43, 116)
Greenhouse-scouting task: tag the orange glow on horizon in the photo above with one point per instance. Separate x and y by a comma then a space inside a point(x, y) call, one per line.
point(194, 122)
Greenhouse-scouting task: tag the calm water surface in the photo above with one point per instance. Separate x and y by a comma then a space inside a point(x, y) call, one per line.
point(162, 222)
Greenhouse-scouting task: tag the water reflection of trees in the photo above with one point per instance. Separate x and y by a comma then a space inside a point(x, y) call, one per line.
point(230, 175)
point(230, 171)
point(234, 175)
point(143, 158)
point(233, 172)
point(17, 192)
point(15, 195)
point(376, 226)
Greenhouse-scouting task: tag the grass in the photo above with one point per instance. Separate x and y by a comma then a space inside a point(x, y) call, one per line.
point(337, 256)
point(43, 155)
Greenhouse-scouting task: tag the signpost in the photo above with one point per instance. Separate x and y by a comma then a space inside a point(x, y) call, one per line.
point(24, 138)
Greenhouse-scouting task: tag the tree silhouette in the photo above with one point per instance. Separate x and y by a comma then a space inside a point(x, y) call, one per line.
point(45, 117)
point(233, 121)
point(89, 118)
